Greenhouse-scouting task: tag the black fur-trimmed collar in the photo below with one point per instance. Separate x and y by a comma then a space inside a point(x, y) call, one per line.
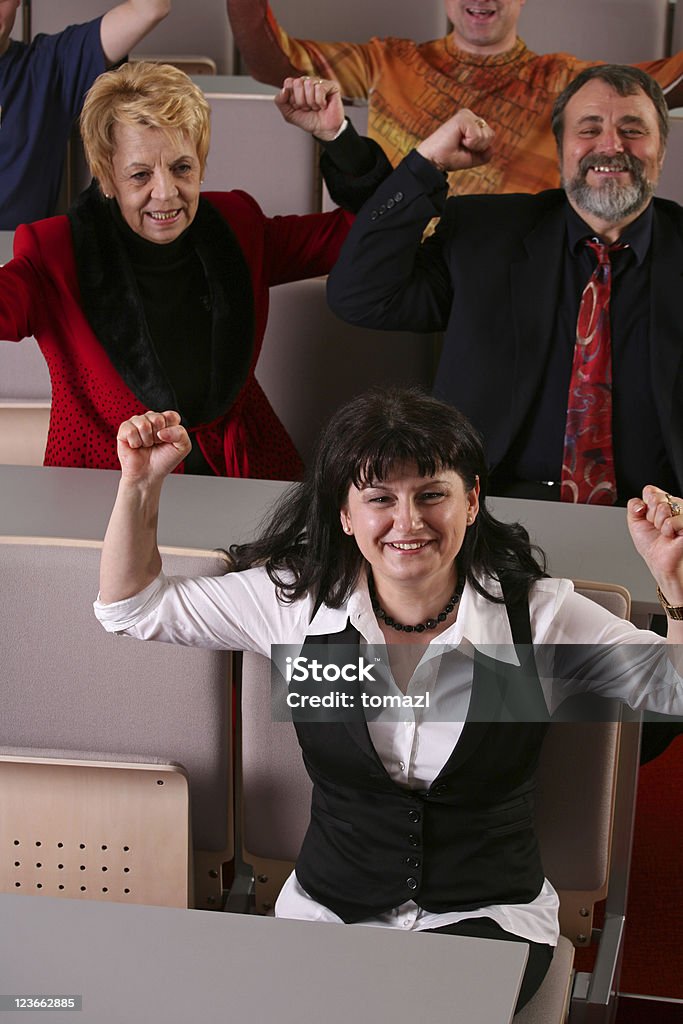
point(112, 304)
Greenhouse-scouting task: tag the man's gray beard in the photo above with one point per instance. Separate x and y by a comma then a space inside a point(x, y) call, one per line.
point(611, 202)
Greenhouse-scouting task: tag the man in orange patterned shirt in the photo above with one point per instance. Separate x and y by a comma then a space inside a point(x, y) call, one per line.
point(413, 88)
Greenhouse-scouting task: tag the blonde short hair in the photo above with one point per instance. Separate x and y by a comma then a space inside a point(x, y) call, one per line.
point(143, 93)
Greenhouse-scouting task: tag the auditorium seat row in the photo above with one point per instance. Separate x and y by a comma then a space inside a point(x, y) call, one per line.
point(247, 131)
point(620, 31)
point(198, 38)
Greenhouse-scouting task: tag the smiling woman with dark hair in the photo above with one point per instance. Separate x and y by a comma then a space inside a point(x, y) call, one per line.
point(425, 821)
point(364, 442)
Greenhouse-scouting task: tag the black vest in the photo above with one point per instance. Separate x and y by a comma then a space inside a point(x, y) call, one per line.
point(466, 842)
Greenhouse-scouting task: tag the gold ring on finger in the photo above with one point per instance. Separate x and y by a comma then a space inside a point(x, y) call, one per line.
point(481, 122)
point(674, 506)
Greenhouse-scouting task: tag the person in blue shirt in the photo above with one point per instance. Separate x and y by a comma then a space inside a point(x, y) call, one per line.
point(42, 87)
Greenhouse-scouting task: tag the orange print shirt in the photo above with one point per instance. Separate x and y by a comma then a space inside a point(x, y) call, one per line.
point(412, 88)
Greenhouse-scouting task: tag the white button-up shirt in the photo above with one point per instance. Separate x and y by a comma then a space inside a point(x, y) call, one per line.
point(579, 647)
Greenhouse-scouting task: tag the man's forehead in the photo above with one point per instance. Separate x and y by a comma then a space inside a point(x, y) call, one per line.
point(597, 100)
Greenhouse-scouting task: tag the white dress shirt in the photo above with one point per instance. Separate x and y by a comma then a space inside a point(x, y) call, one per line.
point(579, 647)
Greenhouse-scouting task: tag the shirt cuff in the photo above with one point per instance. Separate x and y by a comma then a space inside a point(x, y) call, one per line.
point(119, 616)
point(342, 128)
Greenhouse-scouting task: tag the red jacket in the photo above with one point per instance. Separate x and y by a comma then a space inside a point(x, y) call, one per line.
point(72, 289)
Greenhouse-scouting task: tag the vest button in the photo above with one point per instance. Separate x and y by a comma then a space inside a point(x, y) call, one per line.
point(413, 839)
point(412, 883)
point(414, 815)
point(413, 862)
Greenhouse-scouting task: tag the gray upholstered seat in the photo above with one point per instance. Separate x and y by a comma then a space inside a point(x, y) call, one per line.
point(305, 342)
point(670, 185)
point(195, 28)
point(67, 685)
point(25, 399)
point(615, 31)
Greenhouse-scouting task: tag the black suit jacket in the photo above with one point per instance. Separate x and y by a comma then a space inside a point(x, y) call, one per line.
point(490, 278)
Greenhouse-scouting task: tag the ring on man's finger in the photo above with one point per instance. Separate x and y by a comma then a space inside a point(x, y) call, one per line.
point(481, 122)
point(674, 506)
point(318, 81)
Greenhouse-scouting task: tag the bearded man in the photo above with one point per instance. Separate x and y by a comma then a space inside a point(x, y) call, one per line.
point(563, 335)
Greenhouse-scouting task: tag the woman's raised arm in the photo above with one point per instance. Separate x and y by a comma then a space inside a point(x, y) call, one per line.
point(149, 448)
point(656, 526)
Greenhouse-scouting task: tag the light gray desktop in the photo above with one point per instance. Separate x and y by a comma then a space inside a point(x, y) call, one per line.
point(154, 965)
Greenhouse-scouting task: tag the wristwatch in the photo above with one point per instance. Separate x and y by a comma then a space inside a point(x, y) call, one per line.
point(671, 610)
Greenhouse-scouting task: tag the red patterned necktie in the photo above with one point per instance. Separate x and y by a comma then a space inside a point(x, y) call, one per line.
point(588, 459)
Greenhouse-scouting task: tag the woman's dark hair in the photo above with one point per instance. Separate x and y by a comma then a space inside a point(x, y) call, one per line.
point(302, 544)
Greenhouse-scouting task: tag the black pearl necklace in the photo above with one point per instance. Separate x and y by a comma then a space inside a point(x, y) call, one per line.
point(421, 627)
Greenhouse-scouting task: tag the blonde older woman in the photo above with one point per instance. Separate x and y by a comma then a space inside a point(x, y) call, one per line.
point(151, 295)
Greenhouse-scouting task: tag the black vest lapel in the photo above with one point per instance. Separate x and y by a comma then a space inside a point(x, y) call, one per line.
point(502, 693)
point(355, 724)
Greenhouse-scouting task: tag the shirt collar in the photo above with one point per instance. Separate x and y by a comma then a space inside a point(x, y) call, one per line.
point(357, 610)
point(637, 235)
point(481, 625)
